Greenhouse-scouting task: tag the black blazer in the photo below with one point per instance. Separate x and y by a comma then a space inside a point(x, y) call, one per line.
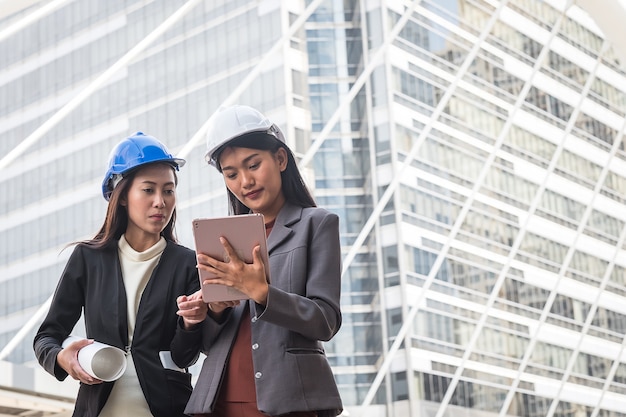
point(92, 280)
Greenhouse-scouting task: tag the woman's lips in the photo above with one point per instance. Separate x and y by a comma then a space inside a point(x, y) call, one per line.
point(252, 195)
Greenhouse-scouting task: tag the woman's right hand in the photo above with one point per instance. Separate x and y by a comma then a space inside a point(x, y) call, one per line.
point(217, 307)
point(68, 360)
point(192, 309)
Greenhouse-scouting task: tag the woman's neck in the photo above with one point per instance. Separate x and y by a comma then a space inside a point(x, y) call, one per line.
point(141, 241)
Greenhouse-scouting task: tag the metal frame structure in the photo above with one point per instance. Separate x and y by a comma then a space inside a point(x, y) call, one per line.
point(373, 62)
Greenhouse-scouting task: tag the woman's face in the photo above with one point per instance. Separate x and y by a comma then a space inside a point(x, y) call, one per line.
point(253, 176)
point(150, 202)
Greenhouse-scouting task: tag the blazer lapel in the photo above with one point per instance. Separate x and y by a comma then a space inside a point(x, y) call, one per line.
point(287, 216)
point(155, 293)
point(118, 301)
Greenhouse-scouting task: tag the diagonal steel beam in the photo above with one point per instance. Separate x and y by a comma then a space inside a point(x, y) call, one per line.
point(358, 84)
point(390, 190)
point(96, 84)
point(31, 18)
point(64, 111)
point(252, 75)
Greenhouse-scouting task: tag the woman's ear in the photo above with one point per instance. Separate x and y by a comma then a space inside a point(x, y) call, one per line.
point(282, 158)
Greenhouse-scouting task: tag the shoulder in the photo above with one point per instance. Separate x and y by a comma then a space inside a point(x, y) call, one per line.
point(84, 256)
point(319, 214)
point(85, 250)
point(293, 216)
point(319, 221)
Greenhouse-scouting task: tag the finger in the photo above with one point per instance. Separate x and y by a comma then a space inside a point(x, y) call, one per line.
point(183, 311)
point(79, 344)
point(217, 280)
point(189, 314)
point(190, 304)
point(230, 251)
point(221, 304)
point(195, 305)
point(196, 295)
point(256, 255)
point(206, 267)
point(78, 372)
point(84, 377)
point(258, 262)
point(204, 259)
point(211, 266)
point(227, 304)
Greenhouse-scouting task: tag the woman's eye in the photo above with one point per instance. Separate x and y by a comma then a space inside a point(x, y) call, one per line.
point(148, 190)
point(254, 166)
point(170, 192)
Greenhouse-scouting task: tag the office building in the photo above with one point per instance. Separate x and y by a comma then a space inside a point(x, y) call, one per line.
point(474, 150)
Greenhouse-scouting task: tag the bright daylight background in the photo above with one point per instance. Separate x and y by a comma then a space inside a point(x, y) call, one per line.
point(473, 149)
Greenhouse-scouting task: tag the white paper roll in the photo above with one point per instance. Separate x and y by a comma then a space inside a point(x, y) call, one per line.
point(99, 360)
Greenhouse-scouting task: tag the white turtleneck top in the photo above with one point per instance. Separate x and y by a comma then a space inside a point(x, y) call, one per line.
point(127, 397)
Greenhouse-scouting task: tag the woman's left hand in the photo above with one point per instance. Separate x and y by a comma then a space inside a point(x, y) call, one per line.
point(250, 279)
point(192, 309)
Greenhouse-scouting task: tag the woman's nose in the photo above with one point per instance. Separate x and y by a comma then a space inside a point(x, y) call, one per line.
point(247, 180)
point(159, 201)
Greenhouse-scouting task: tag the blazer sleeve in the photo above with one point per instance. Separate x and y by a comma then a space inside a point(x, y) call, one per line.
point(316, 314)
point(187, 344)
point(65, 310)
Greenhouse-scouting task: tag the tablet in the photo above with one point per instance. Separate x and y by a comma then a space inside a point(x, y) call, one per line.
point(243, 232)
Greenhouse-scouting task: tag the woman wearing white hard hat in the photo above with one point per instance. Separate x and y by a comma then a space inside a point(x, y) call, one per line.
point(125, 281)
point(265, 355)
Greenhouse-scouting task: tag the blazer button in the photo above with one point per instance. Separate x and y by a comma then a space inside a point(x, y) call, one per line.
point(258, 375)
point(255, 346)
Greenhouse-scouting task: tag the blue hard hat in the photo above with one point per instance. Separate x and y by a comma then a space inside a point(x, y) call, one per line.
point(132, 152)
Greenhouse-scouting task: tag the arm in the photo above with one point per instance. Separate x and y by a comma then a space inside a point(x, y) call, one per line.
point(65, 310)
point(189, 342)
point(185, 345)
point(191, 337)
point(317, 313)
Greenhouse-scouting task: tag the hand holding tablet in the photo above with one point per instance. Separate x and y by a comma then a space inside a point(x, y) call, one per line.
point(243, 233)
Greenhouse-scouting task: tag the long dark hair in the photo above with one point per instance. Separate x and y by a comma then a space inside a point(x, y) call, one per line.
point(293, 185)
point(116, 219)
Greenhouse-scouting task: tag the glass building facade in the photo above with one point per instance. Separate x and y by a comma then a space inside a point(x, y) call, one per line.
point(473, 149)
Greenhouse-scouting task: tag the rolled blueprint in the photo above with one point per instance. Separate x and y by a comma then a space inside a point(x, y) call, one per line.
point(99, 360)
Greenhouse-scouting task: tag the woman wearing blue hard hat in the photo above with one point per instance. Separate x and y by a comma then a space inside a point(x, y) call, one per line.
point(125, 281)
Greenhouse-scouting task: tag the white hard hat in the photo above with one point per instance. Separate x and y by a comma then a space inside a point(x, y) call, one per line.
point(230, 122)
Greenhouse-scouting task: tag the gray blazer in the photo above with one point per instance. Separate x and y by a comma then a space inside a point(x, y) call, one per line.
point(291, 370)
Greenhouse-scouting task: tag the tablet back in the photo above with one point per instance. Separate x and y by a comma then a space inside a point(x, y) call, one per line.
point(243, 232)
